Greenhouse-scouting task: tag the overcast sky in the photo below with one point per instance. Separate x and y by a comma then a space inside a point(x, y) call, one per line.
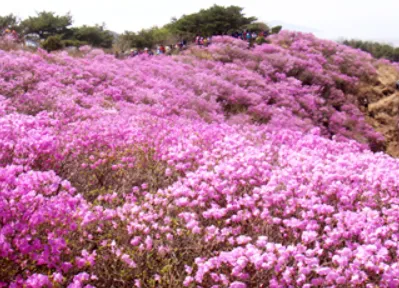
point(363, 19)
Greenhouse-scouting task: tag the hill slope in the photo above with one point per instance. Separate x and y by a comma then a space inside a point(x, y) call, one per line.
point(382, 111)
point(222, 166)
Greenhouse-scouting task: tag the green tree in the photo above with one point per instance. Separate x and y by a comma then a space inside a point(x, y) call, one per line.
point(47, 24)
point(162, 36)
point(52, 43)
point(146, 38)
point(123, 43)
point(9, 21)
point(72, 42)
point(395, 56)
point(378, 50)
point(139, 40)
point(276, 29)
point(96, 36)
point(217, 20)
point(257, 27)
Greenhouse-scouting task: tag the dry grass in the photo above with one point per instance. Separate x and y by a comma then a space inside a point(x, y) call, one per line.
point(381, 104)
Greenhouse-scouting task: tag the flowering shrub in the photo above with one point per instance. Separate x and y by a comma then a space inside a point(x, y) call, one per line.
point(222, 167)
point(8, 42)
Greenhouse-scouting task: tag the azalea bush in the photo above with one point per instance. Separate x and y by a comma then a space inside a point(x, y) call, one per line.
point(220, 167)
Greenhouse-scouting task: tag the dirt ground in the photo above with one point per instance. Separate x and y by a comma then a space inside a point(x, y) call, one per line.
point(382, 106)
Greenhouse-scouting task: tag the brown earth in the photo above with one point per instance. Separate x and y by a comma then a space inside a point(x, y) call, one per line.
point(381, 106)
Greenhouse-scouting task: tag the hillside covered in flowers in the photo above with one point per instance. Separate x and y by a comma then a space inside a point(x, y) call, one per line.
point(219, 167)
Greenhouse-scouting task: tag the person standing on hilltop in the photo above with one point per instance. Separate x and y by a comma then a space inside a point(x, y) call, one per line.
point(201, 42)
point(244, 35)
point(14, 35)
point(248, 36)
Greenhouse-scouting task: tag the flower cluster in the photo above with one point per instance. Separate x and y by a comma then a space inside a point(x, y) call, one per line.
point(221, 167)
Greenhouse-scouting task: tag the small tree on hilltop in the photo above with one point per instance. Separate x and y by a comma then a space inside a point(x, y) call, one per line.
point(52, 43)
point(9, 22)
point(146, 38)
point(217, 20)
point(257, 27)
point(276, 29)
point(123, 43)
point(46, 24)
point(96, 36)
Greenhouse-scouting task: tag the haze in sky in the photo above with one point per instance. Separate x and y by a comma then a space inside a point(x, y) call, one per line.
point(361, 19)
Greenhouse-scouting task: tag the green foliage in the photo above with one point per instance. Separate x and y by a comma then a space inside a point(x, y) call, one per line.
point(217, 20)
point(9, 21)
point(123, 42)
point(73, 43)
point(96, 36)
point(378, 50)
point(257, 27)
point(139, 40)
point(56, 29)
point(46, 24)
point(162, 35)
point(260, 40)
point(52, 43)
point(276, 29)
point(147, 38)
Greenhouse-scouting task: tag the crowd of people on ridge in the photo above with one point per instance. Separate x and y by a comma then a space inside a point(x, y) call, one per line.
point(160, 50)
point(200, 41)
point(249, 36)
point(9, 33)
